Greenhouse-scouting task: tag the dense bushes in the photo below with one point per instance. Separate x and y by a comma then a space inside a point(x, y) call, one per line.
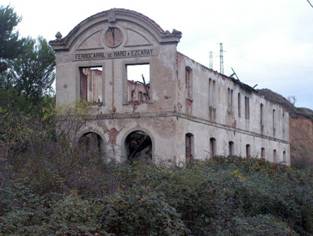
point(78, 195)
point(49, 187)
point(141, 212)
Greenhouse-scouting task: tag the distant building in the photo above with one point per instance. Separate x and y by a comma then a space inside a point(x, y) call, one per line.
point(185, 111)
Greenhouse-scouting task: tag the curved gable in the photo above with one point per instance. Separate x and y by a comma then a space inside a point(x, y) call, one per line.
point(90, 32)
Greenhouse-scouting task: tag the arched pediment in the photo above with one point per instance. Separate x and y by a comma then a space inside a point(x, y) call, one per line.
point(111, 18)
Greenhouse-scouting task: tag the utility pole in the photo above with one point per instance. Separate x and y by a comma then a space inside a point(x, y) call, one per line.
point(221, 59)
point(211, 60)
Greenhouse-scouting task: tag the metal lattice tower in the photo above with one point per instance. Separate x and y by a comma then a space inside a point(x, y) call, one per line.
point(221, 59)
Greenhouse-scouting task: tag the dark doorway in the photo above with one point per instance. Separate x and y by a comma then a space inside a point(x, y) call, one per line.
point(91, 143)
point(231, 148)
point(248, 151)
point(189, 147)
point(274, 156)
point(138, 146)
point(212, 147)
point(263, 153)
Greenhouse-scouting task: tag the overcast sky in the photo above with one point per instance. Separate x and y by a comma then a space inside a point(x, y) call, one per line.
point(268, 42)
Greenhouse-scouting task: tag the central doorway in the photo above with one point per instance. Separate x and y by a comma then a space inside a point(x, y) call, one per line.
point(138, 146)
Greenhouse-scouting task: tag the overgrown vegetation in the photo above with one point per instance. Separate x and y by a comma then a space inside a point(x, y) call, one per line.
point(48, 187)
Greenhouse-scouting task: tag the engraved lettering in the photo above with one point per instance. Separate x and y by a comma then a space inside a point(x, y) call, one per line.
point(113, 54)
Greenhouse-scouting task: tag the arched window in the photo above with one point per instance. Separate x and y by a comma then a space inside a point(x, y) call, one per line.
point(212, 147)
point(189, 139)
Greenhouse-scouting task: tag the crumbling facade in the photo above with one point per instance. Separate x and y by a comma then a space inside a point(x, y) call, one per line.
point(147, 100)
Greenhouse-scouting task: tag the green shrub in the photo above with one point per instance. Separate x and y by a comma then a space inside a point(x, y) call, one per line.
point(141, 212)
point(75, 216)
point(260, 225)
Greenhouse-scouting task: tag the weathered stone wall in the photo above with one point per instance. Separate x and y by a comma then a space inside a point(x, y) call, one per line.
point(203, 132)
point(228, 125)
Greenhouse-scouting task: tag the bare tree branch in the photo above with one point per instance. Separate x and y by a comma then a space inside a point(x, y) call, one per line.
point(310, 3)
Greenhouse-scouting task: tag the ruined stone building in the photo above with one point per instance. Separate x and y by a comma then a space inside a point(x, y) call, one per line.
point(147, 100)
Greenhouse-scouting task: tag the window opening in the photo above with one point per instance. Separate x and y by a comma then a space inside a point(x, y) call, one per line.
point(138, 83)
point(247, 108)
point(188, 81)
point(91, 79)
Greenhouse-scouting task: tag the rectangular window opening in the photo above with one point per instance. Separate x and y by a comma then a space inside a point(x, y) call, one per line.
point(212, 98)
point(188, 81)
point(239, 105)
point(91, 84)
point(283, 125)
point(138, 83)
point(210, 92)
point(274, 128)
point(247, 108)
point(261, 118)
point(230, 93)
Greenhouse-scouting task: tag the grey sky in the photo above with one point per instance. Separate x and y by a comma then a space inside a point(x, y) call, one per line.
point(269, 43)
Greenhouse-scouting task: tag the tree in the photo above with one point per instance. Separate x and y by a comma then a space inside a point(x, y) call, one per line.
point(26, 67)
point(10, 44)
point(34, 69)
